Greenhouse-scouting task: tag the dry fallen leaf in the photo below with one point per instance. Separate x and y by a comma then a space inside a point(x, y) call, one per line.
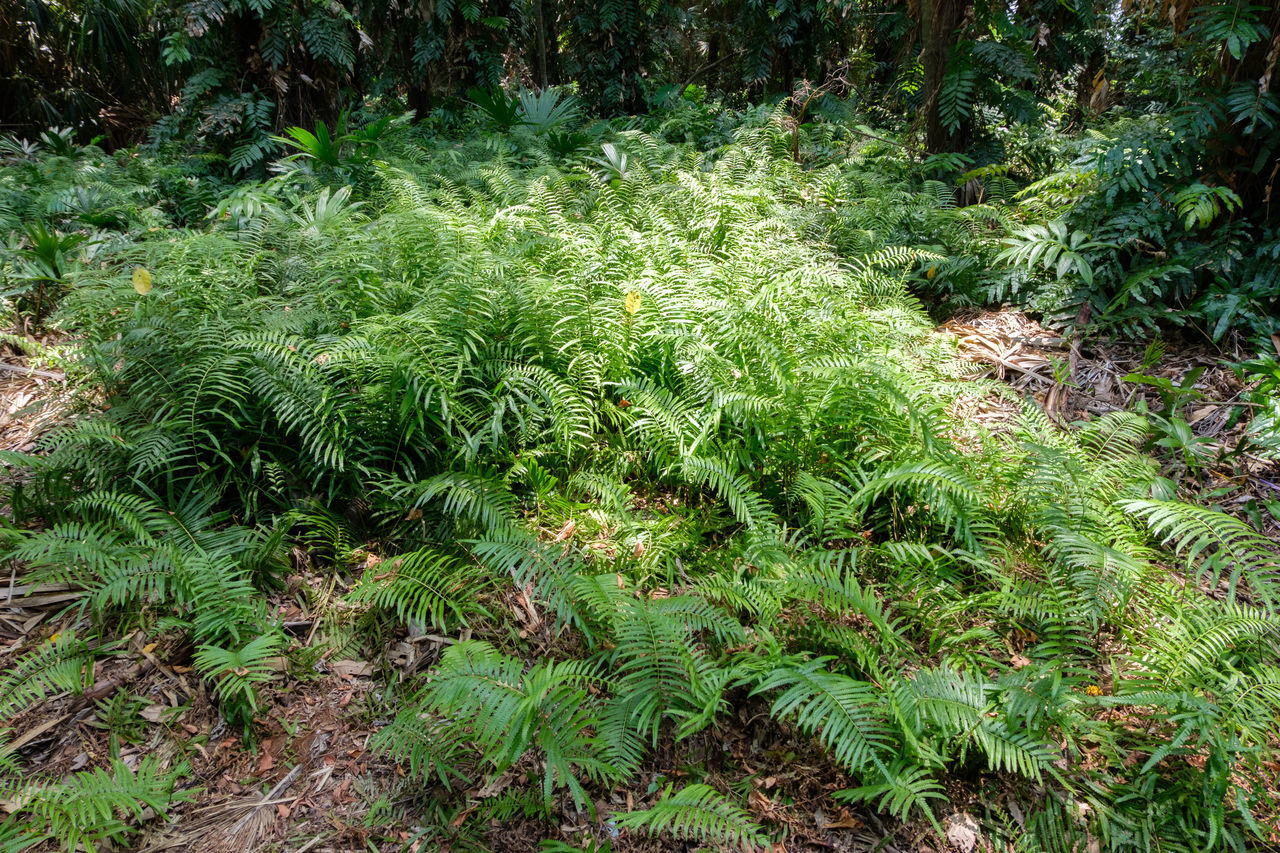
point(962, 831)
point(845, 821)
point(758, 802)
point(153, 713)
point(354, 668)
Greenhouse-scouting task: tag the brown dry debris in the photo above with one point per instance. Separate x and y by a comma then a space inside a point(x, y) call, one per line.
point(33, 399)
point(1073, 381)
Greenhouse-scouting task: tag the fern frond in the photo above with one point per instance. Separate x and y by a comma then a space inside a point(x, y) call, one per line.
point(845, 715)
point(508, 711)
point(1214, 543)
point(91, 807)
point(424, 587)
point(61, 665)
point(699, 813)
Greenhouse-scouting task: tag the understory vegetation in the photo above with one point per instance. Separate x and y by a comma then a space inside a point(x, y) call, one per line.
point(552, 396)
point(659, 440)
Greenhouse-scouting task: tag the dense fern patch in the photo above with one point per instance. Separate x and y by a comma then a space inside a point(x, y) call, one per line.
point(648, 437)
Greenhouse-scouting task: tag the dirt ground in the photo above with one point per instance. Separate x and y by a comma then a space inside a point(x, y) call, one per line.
point(308, 780)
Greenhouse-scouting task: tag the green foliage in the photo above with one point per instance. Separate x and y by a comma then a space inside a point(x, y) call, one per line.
point(65, 663)
point(1053, 248)
point(40, 264)
point(501, 109)
point(1174, 246)
point(669, 434)
point(1214, 542)
point(425, 588)
point(94, 807)
point(235, 672)
point(848, 716)
point(508, 711)
point(699, 813)
point(546, 110)
point(346, 154)
point(319, 145)
point(127, 551)
point(658, 673)
point(47, 252)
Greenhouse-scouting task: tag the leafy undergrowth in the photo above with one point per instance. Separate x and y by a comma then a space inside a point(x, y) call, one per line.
point(613, 502)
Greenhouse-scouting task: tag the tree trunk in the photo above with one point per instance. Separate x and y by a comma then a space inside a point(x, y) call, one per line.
point(940, 26)
point(539, 24)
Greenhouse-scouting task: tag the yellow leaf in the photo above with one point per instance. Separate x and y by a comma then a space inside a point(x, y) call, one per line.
point(142, 281)
point(633, 301)
point(931, 273)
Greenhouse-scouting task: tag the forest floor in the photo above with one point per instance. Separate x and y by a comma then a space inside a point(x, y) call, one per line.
point(308, 782)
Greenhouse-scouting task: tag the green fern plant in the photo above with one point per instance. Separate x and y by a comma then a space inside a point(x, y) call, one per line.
point(95, 808)
point(1216, 544)
point(699, 813)
point(62, 664)
point(236, 672)
point(426, 588)
point(510, 711)
point(666, 427)
point(846, 715)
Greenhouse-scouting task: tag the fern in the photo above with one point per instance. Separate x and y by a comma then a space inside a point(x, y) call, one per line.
point(958, 704)
point(902, 789)
point(510, 711)
point(92, 807)
point(659, 673)
point(710, 372)
point(424, 587)
point(65, 664)
point(696, 812)
point(236, 672)
point(846, 715)
point(1215, 543)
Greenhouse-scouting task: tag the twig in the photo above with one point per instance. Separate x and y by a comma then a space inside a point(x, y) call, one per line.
point(707, 66)
point(876, 138)
point(30, 371)
point(35, 733)
point(256, 804)
point(994, 359)
point(281, 787)
point(105, 688)
point(312, 843)
point(1228, 403)
point(319, 610)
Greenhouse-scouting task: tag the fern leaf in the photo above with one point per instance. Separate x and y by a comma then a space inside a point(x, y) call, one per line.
point(698, 813)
